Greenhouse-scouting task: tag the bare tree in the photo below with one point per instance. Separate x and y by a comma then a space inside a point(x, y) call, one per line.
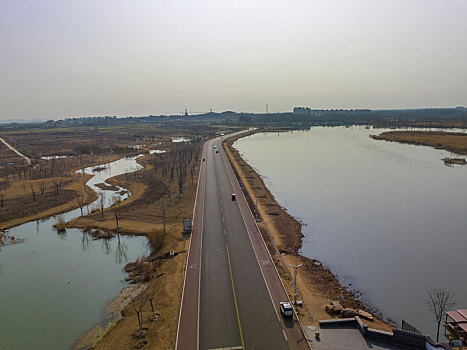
point(80, 200)
point(116, 206)
point(31, 185)
point(439, 301)
point(137, 306)
point(102, 204)
point(2, 199)
point(151, 298)
point(42, 188)
point(58, 187)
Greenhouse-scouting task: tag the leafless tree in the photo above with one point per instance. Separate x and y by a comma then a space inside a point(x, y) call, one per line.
point(33, 192)
point(2, 199)
point(116, 206)
point(42, 189)
point(80, 200)
point(102, 204)
point(137, 306)
point(58, 187)
point(439, 301)
point(151, 298)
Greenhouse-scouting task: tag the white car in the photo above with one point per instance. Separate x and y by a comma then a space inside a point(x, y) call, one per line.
point(286, 309)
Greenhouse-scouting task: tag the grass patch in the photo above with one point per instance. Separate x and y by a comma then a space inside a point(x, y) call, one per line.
point(60, 224)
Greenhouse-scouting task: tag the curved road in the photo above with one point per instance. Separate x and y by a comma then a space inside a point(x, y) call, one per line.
point(232, 290)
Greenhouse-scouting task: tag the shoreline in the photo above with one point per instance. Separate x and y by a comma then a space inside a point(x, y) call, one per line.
point(317, 285)
point(453, 142)
point(63, 208)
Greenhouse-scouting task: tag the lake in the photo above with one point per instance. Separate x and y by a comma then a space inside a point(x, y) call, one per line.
point(388, 218)
point(54, 287)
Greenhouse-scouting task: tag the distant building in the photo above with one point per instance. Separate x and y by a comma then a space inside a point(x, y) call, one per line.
point(302, 111)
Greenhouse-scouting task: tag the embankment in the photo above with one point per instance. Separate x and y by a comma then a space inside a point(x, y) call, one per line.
point(317, 285)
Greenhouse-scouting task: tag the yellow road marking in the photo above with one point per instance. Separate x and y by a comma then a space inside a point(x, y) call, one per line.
point(225, 232)
point(222, 219)
point(235, 297)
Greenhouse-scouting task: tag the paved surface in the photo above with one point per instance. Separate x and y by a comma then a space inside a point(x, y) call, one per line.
point(345, 338)
point(232, 290)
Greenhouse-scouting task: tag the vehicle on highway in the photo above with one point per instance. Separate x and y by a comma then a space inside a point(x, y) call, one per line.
point(286, 309)
point(215, 147)
point(217, 151)
point(234, 196)
point(204, 159)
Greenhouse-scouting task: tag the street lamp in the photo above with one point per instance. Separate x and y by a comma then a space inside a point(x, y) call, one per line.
point(295, 268)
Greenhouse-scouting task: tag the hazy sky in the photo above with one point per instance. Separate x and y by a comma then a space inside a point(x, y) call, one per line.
point(63, 58)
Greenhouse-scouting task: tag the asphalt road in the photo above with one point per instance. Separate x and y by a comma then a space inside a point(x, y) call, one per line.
point(232, 290)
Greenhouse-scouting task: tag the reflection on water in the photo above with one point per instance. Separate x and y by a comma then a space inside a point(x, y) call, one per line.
point(55, 286)
point(388, 218)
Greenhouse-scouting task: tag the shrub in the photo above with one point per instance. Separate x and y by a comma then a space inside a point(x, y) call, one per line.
point(156, 239)
point(60, 224)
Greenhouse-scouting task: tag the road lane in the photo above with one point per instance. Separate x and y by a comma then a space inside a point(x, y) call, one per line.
point(218, 323)
point(260, 322)
point(238, 286)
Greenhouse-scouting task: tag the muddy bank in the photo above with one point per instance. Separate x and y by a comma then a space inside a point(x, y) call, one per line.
point(282, 233)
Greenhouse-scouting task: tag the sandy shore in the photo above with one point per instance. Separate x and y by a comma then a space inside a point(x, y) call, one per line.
point(316, 284)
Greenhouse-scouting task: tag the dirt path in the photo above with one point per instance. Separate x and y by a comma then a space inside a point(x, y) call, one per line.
point(28, 160)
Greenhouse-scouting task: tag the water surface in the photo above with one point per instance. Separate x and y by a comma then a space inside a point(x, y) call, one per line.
point(388, 218)
point(55, 287)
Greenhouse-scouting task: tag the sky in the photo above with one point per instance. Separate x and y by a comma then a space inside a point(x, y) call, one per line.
point(63, 58)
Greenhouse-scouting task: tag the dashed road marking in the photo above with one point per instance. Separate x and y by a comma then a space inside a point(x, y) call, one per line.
point(235, 296)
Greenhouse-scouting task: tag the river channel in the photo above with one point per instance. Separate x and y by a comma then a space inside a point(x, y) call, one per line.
point(389, 219)
point(53, 287)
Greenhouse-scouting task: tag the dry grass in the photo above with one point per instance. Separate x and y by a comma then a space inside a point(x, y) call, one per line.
point(450, 141)
point(156, 239)
point(60, 224)
point(51, 209)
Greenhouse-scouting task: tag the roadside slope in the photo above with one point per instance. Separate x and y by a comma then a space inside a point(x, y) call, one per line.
point(316, 284)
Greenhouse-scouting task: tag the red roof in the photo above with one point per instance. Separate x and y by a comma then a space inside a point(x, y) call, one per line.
point(463, 326)
point(463, 312)
point(457, 316)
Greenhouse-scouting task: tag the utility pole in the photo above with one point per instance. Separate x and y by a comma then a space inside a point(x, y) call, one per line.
point(163, 216)
point(295, 268)
point(267, 107)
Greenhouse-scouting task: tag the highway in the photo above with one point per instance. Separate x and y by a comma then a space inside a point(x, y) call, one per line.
point(232, 290)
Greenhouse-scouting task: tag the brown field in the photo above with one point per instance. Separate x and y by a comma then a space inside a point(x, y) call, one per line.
point(450, 141)
point(316, 284)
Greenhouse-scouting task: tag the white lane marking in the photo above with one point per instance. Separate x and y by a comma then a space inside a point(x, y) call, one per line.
point(248, 231)
point(201, 167)
point(283, 332)
point(265, 246)
point(200, 251)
